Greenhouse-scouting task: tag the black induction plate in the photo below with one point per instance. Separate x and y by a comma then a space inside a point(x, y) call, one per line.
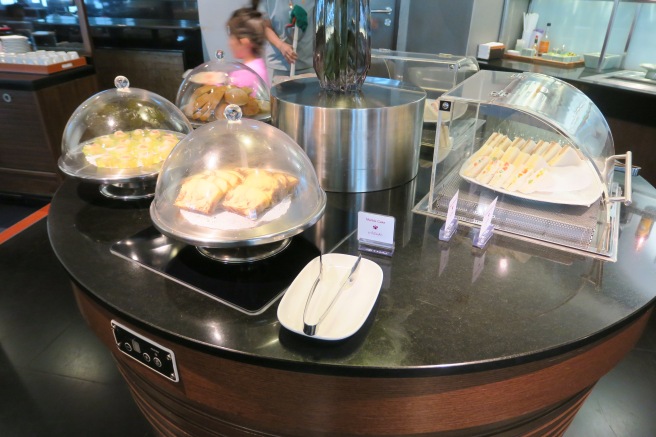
point(248, 287)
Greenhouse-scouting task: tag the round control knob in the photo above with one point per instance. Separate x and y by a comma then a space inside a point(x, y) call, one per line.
point(146, 357)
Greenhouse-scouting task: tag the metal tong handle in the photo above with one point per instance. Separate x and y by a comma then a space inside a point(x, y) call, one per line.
point(314, 287)
point(312, 329)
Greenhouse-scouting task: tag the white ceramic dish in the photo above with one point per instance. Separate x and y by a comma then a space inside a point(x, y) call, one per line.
point(351, 309)
point(577, 185)
point(651, 71)
point(608, 62)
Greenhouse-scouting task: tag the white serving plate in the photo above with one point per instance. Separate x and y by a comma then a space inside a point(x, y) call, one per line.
point(351, 308)
point(577, 185)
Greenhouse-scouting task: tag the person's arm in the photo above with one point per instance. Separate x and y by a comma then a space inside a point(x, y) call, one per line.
point(284, 48)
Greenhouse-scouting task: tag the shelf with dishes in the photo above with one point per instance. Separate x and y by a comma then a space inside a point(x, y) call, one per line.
point(40, 61)
point(550, 59)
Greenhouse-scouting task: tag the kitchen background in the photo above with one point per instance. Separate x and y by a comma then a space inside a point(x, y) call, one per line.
point(427, 26)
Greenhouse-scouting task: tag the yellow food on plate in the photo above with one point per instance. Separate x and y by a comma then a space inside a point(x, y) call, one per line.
point(154, 133)
point(93, 149)
point(129, 150)
point(260, 190)
point(208, 102)
point(236, 96)
point(202, 192)
point(244, 191)
point(251, 107)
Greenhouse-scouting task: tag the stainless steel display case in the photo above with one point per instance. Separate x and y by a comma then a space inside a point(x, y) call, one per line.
point(435, 74)
point(577, 204)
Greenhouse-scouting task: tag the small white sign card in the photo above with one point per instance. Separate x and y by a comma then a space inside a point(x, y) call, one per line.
point(376, 233)
point(451, 224)
point(484, 234)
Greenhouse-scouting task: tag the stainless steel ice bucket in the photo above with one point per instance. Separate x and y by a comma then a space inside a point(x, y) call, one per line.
point(358, 142)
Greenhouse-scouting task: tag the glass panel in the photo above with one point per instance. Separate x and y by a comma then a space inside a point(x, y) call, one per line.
point(436, 74)
point(558, 106)
point(576, 26)
point(54, 24)
point(144, 9)
point(537, 145)
point(581, 26)
point(641, 49)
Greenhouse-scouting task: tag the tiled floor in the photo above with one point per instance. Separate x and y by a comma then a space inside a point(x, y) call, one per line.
point(57, 379)
point(14, 208)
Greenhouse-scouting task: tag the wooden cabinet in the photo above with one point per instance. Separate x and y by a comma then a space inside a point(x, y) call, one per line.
point(34, 111)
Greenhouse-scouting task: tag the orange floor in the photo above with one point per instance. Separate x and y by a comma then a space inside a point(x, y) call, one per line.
point(24, 223)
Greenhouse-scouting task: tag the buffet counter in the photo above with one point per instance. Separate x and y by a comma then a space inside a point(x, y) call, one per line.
point(33, 113)
point(463, 341)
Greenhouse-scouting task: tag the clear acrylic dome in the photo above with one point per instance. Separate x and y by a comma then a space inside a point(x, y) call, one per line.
point(121, 135)
point(210, 87)
point(233, 184)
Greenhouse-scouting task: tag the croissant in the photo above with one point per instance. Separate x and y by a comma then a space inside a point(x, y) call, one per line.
point(203, 192)
point(260, 190)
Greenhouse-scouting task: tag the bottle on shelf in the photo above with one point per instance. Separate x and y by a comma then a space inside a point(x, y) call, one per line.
point(535, 45)
point(543, 47)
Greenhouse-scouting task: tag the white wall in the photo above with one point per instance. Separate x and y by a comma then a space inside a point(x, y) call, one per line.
point(213, 16)
point(581, 27)
point(448, 26)
point(485, 24)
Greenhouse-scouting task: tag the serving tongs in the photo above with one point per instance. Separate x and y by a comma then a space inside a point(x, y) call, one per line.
point(312, 329)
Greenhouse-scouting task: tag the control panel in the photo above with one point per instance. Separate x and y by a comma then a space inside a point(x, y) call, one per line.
point(147, 352)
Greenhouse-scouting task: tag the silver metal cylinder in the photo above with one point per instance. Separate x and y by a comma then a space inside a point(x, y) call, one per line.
point(358, 142)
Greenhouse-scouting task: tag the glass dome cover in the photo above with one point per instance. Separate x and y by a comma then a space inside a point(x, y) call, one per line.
point(121, 135)
point(210, 87)
point(540, 150)
point(232, 184)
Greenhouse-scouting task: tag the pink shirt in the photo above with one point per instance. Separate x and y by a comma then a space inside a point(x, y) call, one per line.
point(245, 78)
point(259, 66)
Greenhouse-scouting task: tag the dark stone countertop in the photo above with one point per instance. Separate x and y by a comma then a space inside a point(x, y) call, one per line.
point(436, 312)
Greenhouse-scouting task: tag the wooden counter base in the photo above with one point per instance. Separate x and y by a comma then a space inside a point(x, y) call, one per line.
point(218, 396)
point(32, 123)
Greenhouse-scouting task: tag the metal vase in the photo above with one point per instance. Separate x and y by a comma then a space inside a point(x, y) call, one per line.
point(342, 44)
